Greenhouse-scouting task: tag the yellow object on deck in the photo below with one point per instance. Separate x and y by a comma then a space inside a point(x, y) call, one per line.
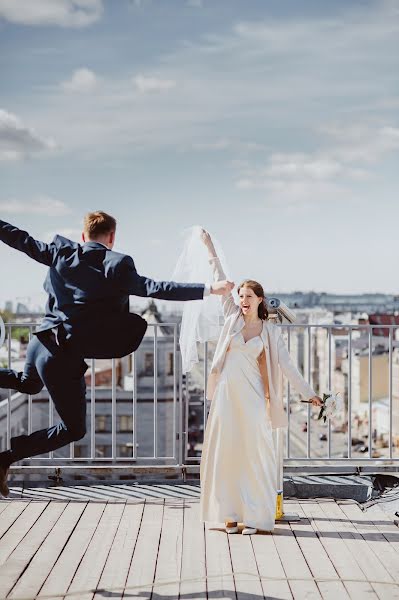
point(279, 505)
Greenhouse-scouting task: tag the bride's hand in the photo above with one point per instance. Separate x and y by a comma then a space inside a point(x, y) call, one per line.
point(206, 238)
point(316, 401)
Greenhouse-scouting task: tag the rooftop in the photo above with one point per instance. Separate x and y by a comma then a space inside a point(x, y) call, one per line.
point(156, 547)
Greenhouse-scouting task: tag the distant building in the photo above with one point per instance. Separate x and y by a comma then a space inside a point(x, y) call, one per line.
point(369, 303)
point(8, 306)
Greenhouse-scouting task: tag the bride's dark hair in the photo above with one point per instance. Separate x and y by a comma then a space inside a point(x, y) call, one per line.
point(256, 287)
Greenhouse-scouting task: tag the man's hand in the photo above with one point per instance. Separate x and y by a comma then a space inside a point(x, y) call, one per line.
point(316, 401)
point(222, 288)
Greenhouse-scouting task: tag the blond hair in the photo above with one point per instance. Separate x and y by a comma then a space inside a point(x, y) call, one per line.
point(98, 223)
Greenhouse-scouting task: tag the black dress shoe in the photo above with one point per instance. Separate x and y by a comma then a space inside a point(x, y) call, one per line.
point(4, 491)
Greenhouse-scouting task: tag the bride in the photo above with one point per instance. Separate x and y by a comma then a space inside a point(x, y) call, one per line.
point(238, 468)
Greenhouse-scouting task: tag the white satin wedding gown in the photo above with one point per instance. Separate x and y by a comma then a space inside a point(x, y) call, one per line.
point(238, 466)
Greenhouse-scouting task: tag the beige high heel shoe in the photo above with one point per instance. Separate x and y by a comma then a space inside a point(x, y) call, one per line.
point(231, 526)
point(248, 530)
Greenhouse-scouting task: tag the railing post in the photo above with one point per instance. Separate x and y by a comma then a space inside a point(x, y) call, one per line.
point(280, 474)
point(279, 449)
point(2, 332)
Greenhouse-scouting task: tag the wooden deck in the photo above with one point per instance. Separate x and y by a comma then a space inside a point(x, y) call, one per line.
point(157, 548)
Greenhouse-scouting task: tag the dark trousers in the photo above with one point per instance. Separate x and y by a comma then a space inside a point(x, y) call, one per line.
point(62, 372)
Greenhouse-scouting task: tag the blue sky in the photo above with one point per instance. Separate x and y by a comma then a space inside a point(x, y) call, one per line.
point(272, 124)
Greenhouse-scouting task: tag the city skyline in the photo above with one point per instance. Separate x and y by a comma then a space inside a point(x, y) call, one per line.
point(275, 126)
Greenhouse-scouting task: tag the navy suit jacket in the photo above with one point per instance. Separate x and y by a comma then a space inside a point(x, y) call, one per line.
point(88, 289)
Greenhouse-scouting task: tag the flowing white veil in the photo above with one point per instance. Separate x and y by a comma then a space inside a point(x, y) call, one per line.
point(201, 320)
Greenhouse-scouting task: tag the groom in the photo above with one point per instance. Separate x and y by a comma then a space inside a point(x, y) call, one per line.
point(87, 316)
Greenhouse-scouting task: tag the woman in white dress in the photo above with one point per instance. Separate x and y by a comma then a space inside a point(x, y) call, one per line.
point(238, 468)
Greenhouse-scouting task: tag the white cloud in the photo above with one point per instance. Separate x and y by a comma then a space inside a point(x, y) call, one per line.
point(351, 155)
point(64, 13)
point(17, 141)
point(227, 144)
point(291, 196)
point(152, 84)
point(297, 167)
point(195, 3)
point(363, 142)
point(272, 84)
point(72, 233)
point(40, 206)
point(82, 80)
point(302, 165)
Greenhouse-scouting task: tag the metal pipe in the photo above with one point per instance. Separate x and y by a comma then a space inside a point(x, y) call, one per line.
point(113, 409)
point(288, 400)
point(180, 440)
point(390, 392)
point(93, 409)
point(174, 387)
point(30, 395)
point(134, 408)
point(329, 387)
point(155, 428)
point(9, 391)
point(370, 376)
point(350, 393)
point(308, 438)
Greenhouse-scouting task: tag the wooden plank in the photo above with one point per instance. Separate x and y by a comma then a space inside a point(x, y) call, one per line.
point(385, 525)
point(78, 493)
point(316, 557)
point(373, 569)
point(68, 561)
point(245, 568)
point(340, 555)
point(12, 510)
point(20, 528)
point(23, 553)
point(55, 493)
point(220, 580)
point(386, 591)
point(87, 576)
point(168, 568)
point(114, 575)
point(142, 568)
point(299, 577)
point(380, 548)
point(375, 538)
point(4, 504)
point(193, 553)
point(46, 556)
point(272, 574)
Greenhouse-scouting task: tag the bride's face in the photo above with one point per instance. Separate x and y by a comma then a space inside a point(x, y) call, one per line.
point(249, 301)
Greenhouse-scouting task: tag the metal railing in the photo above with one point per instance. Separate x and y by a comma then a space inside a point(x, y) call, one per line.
point(305, 445)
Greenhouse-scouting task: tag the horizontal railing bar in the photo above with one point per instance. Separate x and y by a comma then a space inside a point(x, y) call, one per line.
point(123, 470)
point(100, 459)
point(35, 323)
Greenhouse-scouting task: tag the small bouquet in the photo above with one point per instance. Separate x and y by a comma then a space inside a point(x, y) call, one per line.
point(332, 405)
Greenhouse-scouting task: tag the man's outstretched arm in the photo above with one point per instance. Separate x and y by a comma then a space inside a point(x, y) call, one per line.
point(138, 285)
point(22, 241)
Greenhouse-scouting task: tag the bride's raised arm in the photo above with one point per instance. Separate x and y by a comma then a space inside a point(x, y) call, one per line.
point(229, 306)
